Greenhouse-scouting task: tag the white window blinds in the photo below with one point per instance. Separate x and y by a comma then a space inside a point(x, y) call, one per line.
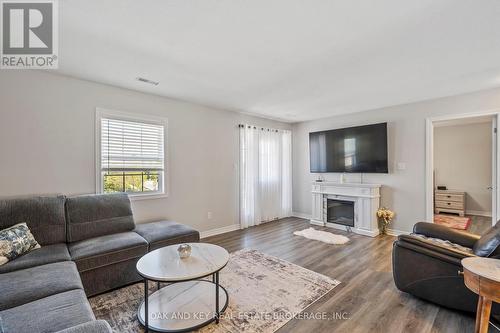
point(130, 145)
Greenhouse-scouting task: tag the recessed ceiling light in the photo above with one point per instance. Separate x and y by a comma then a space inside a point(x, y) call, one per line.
point(141, 79)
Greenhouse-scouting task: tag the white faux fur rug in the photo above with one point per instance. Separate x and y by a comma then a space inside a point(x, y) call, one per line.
point(322, 236)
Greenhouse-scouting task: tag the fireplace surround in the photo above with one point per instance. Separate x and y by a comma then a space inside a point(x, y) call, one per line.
point(363, 199)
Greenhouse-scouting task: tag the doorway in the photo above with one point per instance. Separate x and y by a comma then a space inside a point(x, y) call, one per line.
point(462, 188)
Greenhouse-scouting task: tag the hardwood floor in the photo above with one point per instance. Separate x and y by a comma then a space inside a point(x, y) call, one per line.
point(367, 294)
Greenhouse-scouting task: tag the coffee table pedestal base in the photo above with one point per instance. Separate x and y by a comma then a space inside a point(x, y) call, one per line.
point(183, 306)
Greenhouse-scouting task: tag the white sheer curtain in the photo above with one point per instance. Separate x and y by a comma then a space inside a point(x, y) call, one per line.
point(265, 175)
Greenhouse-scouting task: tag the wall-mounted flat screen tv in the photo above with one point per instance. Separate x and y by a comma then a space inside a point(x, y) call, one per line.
point(360, 149)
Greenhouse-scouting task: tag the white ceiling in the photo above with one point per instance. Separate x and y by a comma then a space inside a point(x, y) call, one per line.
point(292, 60)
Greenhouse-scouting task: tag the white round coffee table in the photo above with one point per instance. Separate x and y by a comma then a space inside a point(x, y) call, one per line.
point(189, 301)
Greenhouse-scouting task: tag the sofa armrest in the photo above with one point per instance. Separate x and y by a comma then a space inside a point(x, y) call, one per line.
point(433, 230)
point(97, 326)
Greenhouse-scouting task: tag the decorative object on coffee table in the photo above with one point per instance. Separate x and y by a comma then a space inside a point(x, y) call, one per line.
point(385, 217)
point(482, 276)
point(201, 300)
point(184, 251)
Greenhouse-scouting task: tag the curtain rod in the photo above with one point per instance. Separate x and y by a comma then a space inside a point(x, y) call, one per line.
point(257, 127)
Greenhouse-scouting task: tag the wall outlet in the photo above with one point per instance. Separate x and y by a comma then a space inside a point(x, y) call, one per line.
point(401, 166)
point(209, 215)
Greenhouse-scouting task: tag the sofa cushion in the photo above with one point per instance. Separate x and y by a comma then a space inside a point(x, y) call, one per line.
point(34, 283)
point(96, 326)
point(106, 250)
point(106, 278)
point(45, 255)
point(98, 215)
point(44, 215)
point(488, 242)
point(164, 233)
point(49, 314)
point(16, 241)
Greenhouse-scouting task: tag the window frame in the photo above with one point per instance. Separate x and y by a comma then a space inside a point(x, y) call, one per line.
point(163, 181)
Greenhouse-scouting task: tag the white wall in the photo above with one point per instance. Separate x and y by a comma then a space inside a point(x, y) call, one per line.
point(47, 145)
point(462, 161)
point(403, 190)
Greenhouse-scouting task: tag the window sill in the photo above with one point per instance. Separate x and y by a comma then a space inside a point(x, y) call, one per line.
point(140, 197)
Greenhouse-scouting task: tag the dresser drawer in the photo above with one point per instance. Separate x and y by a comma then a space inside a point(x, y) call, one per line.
point(450, 204)
point(449, 197)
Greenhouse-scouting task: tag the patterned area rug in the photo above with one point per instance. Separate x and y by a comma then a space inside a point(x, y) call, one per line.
point(452, 221)
point(264, 294)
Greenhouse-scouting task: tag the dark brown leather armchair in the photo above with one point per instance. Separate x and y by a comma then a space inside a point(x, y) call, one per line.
point(427, 264)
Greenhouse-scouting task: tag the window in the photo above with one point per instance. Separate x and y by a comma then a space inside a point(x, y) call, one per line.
point(130, 153)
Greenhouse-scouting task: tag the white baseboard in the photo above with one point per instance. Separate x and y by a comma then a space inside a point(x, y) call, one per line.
point(358, 231)
point(344, 228)
point(301, 215)
point(394, 232)
point(320, 223)
point(478, 213)
point(219, 231)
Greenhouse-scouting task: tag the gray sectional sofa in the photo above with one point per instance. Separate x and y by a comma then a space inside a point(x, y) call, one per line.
point(90, 244)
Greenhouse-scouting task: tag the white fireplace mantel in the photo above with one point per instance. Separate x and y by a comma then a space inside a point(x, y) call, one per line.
point(366, 198)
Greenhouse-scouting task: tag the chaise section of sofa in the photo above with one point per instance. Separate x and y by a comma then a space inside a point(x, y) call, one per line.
point(50, 314)
point(96, 326)
point(27, 285)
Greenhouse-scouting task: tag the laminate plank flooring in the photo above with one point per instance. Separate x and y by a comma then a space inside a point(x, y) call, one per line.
point(366, 300)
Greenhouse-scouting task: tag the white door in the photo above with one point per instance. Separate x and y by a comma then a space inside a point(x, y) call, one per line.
point(495, 173)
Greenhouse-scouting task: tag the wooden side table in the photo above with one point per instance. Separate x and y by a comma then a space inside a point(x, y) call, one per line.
point(482, 276)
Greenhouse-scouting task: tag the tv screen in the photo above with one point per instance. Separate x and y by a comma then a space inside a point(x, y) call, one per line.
point(361, 149)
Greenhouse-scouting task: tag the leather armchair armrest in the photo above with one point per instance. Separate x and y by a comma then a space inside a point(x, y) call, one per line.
point(453, 256)
point(433, 230)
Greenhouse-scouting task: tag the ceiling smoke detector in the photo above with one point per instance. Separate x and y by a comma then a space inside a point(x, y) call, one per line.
point(141, 79)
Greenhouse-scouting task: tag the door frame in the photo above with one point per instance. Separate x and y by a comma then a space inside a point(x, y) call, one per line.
point(429, 161)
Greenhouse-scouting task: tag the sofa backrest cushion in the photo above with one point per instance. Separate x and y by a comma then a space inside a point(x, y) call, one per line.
point(93, 215)
point(44, 216)
point(489, 242)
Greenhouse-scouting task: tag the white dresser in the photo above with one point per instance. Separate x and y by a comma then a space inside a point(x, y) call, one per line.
point(449, 201)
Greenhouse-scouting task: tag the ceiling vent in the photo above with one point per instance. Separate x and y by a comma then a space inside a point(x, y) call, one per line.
point(141, 79)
